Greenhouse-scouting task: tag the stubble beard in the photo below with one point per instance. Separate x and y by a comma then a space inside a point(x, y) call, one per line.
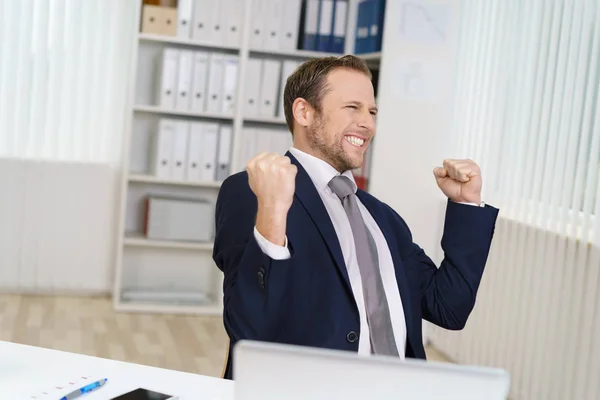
point(334, 154)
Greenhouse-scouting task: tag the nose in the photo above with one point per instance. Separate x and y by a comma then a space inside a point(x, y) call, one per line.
point(366, 120)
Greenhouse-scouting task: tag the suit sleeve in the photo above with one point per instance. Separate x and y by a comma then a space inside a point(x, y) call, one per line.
point(254, 285)
point(448, 293)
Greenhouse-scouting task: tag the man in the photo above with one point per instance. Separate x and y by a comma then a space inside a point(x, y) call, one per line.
point(310, 260)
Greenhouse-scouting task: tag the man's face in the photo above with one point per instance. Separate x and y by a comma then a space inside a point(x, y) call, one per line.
point(341, 133)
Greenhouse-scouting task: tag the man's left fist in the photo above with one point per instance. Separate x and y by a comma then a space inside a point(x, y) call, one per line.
point(460, 180)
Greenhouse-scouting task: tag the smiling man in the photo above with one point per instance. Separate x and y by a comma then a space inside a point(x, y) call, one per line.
point(308, 259)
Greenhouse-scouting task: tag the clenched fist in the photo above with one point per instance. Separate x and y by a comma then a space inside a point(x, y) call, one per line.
point(460, 180)
point(272, 178)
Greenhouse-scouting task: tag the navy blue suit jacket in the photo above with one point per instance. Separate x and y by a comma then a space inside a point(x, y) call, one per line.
point(307, 299)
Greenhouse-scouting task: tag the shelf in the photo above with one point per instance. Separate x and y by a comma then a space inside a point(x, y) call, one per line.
point(169, 308)
point(266, 120)
point(168, 111)
point(160, 181)
point(137, 240)
point(302, 54)
point(185, 42)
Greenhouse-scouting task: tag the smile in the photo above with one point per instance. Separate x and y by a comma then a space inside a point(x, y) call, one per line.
point(355, 141)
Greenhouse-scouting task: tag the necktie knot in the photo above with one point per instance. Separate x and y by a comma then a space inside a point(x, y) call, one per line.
point(341, 186)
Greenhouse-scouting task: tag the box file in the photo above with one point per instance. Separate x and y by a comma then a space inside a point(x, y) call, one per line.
point(199, 81)
point(184, 18)
point(178, 219)
point(252, 87)
point(207, 21)
point(258, 24)
point(162, 148)
point(273, 24)
point(311, 25)
point(369, 26)
point(232, 17)
point(289, 66)
point(271, 71)
point(230, 76)
point(179, 151)
point(340, 22)
point(184, 80)
point(159, 20)
point(224, 156)
point(167, 78)
point(290, 24)
point(325, 26)
point(215, 83)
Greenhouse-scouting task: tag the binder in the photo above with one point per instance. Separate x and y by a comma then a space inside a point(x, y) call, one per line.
point(311, 25)
point(184, 80)
point(203, 21)
point(215, 83)
point(376, 25)
point(362, 27)
point(230, 74)
point(289, 66)
point(224, 156)
point(216, 31)
point(232, 15)
point(184, 18)
point(162, 148)
point(273, 24)
point(271, 70)
point(290, 24)
point(179, 151)
point(252, 87)
point(258, 24)
point(199, 81)
point(340, 21)
point(194, 162)
point(168, 64)
point(249, 150)
point(325, 26)
point(210, 138)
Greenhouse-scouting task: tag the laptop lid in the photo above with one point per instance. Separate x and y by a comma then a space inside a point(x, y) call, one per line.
point(270, 371)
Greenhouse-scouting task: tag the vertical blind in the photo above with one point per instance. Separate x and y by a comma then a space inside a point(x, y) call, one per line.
point(64, 78)
point(527, 109)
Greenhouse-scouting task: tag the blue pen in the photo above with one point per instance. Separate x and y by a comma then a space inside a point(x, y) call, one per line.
point(86, 389)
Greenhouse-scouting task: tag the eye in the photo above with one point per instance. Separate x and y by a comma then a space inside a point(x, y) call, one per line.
point(353, 107)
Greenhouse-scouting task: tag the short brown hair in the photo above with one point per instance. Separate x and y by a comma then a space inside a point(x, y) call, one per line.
point(309, 81)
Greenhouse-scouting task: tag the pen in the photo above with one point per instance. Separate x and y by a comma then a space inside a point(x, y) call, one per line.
point(86, 389)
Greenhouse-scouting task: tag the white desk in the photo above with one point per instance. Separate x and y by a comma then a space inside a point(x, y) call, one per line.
point(28, 370)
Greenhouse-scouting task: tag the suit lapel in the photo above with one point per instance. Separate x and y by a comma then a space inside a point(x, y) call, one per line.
point(307, 194)
point(383, 222)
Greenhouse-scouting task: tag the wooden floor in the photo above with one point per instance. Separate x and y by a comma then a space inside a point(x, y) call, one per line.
point(89, 325)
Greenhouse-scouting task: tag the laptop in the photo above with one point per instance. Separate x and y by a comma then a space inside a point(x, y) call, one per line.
point(269, 371)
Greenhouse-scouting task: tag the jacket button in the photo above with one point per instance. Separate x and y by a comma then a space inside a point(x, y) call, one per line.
point(352, 337)
point(261, 278)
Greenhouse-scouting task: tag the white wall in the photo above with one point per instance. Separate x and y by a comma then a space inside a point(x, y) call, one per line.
point(414, 100)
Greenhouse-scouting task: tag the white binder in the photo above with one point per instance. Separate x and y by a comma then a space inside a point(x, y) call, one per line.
point(324, 41)
point(289, 66)
point(184, 18)
point(248, 149)
point(179, 154)
point(199, 81)
point(271, 71)
point(184, 80)
point(273, 24)
point(232, 13)
point(204, 20)
point(210, 141)
point(258, 23)
point(290, 24)
point(224, 157)
point(215, 83)
point(162, 148)
point(167, 82)
point(194, 162)
point(252, 87)
point(230, 75)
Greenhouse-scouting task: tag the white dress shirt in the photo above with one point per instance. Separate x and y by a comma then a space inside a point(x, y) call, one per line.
point(321, 173)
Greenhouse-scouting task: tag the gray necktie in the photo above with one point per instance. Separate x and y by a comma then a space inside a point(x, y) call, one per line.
point(378, 313)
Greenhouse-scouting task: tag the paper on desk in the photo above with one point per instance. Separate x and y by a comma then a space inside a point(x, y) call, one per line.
point(58, 388)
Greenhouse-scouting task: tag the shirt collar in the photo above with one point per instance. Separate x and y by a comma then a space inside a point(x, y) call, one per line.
point(320, 171)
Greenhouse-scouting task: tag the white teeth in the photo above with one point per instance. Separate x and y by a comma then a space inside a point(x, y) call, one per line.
point(355, 141)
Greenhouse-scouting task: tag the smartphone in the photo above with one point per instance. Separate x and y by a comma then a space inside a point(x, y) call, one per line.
point(144, 394)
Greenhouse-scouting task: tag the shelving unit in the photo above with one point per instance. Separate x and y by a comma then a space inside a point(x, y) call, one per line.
point(176, 276)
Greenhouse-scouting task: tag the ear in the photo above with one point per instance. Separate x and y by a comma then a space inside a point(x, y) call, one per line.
point(303, 112)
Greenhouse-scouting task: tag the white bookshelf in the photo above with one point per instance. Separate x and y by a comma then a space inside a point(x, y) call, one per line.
point(164, 276)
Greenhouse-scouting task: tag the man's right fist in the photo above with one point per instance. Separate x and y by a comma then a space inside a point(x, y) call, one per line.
point(272, 178)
